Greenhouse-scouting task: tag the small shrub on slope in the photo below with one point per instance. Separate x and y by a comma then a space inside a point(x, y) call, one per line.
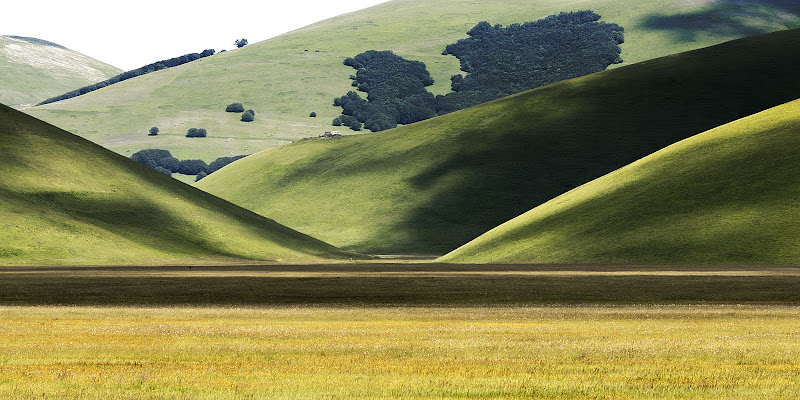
point(248, 116)
point(235, 108)
point(195, 132)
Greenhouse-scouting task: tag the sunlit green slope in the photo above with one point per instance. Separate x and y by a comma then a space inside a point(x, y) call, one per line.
point(286, 78)
point(66, 201)
point(432, 186)
point(32, 70)
point(730, 195)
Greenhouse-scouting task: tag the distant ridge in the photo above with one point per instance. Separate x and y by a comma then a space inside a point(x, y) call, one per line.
point(36, 41)
point(33, 69)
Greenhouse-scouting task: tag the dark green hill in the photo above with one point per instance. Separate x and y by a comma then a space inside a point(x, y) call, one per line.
point(432, 186)
point(67, 201)
point(727, 196)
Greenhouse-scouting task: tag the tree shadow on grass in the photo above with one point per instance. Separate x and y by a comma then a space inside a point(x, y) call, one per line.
point(728, 18)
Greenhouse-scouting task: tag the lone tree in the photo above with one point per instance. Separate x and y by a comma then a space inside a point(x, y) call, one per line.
point(248, 116)
point(235, 107)
point(153, 131)
point(240, 42)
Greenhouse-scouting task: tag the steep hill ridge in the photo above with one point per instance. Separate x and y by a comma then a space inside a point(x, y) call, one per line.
point(286, 78)
point(727, 196)
point(32, 70)
point(433, 186)
point(67, 201)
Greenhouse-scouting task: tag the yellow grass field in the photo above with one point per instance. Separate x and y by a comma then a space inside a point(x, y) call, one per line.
point(719, 352)
point(434, 332)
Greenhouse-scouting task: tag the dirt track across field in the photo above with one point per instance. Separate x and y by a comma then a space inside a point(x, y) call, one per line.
point(398, 284)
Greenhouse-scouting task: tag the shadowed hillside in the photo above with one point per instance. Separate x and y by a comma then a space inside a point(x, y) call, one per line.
point(727, 196)
point(66, 201)
point(432, 186)
point(725, 17)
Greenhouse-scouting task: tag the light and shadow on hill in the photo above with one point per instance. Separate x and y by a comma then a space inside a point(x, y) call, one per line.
point(67, 201)
point(427, 187)
point(727, 18)
point(726, 196)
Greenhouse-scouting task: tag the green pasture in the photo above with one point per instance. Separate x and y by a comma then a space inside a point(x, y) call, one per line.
point(286, 78)
point(430, 187)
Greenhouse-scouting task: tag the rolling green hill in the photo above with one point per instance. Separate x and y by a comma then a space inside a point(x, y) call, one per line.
point(32, 70)
point(286, 78)
point(727, 196)
point(67, 201)
point(432, 186)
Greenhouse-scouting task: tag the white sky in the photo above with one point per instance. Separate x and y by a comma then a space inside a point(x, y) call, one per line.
point(131, 34)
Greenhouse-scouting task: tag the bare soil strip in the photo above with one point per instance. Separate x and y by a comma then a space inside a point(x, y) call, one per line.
point(399, 284)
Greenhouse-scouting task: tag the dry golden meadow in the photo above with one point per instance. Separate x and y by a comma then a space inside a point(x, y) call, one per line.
point(437, 331)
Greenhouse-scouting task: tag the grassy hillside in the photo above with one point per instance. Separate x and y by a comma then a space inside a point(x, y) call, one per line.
point(727, 196)
point(286, 78)
point(32, 70)
point(432, 186)
point(66, 201)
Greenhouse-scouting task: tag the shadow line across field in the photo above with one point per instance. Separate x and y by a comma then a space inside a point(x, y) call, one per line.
point(398, 284)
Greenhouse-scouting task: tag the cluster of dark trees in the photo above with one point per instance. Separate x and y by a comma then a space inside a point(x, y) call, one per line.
point(163, 161)
point(498, 61)
point(163, 64)
point(247, 116)
point(395, 90)
point(503, 61)
point(196, 132)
